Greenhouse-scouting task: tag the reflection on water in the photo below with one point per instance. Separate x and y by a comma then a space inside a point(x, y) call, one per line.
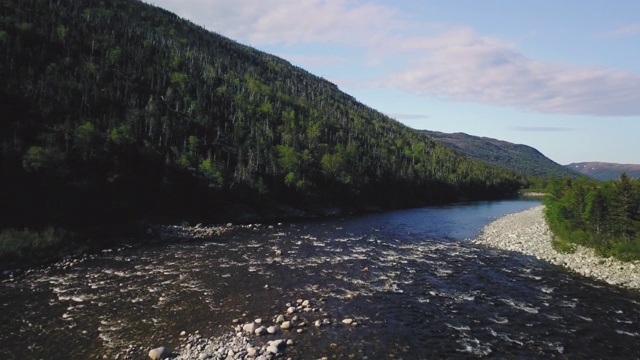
point(417, 288)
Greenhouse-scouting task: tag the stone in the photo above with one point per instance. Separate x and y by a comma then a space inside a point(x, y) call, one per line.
point(272, 349)
point(272, 329)
point(278, 253)
point(286, 325)
point(261, 330)
point(250, 327)
point(251, 351)
point(291, 310)
point(289, 342)
point(280, 319)
point(347, 321)
point(277, 343)
point(183, 333)
point(158, 353)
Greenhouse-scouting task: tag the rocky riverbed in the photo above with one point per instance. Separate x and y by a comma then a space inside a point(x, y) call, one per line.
point(527, 232)
point(258, 338)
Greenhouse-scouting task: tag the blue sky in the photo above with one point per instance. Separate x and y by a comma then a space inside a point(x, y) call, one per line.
point(561, 76)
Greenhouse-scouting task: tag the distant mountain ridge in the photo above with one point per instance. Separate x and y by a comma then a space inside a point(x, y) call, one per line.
point(605, 171)
point(522, 159)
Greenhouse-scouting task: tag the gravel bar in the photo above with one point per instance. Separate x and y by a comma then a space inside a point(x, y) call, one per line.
point(527, 232)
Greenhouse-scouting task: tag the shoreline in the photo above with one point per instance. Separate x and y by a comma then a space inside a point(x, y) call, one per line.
point(527, 232)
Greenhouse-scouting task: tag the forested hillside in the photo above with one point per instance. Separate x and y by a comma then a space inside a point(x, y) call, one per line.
point(601, 215)
point(120, 110)
point(522, 159)
point(605, 171)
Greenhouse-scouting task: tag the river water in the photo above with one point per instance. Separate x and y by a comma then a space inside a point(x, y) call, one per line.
point(411, 279)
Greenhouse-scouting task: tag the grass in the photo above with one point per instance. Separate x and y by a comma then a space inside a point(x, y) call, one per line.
point(28, 246)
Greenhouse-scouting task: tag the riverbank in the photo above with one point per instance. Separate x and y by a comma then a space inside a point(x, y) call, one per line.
point(527, 232)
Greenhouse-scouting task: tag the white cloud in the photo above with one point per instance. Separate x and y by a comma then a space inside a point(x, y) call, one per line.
point(437, 60)
point(289, 21)
point(466, 67)
point(629, 30)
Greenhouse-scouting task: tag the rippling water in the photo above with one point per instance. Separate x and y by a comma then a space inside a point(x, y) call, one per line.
point(415, 285)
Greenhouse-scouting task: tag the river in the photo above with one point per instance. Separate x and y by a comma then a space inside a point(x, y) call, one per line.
point(411, 279)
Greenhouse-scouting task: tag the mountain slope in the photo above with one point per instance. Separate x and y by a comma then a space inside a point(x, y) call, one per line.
point(120, 110)
point(522, 159)
point(605, 171)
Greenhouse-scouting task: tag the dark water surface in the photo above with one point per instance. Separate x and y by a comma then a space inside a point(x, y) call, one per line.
point(411, 279)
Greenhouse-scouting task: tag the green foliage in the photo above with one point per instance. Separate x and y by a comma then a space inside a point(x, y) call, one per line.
point(122, 135)
point(38, 158)
point(212, 172)
point(33, 245)
point(62, 32)
point(113, 56)
point(600, 215)
point(87, 139)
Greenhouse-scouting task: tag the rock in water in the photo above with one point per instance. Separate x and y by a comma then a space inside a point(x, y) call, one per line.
point(158, 353)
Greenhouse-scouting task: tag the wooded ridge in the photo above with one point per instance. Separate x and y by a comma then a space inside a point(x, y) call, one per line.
point(120, 110)
point(520, 158)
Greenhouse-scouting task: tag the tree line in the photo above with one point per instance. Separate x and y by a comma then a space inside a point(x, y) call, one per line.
point(601, 215)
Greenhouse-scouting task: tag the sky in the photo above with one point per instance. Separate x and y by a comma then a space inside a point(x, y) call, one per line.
point(560, 76)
